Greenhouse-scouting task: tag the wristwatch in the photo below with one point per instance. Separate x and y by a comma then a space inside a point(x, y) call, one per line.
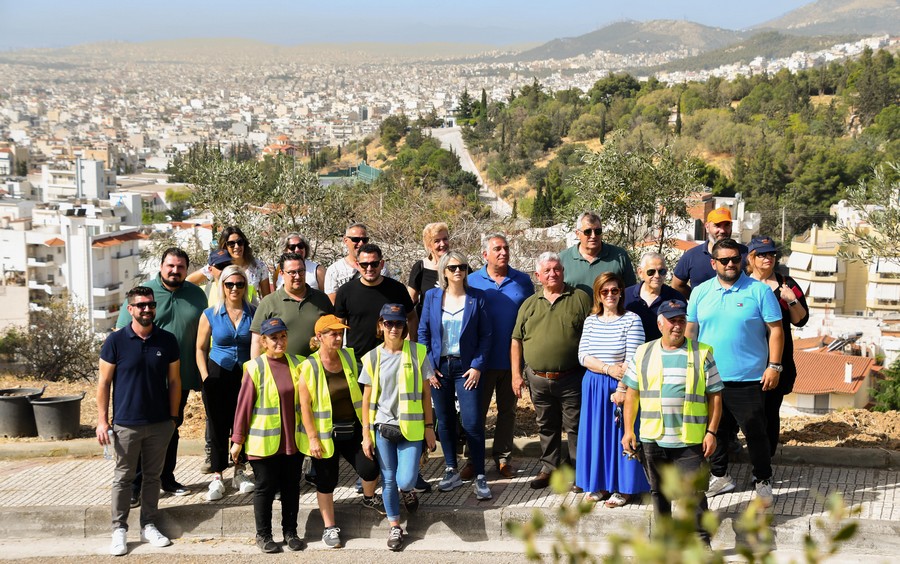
point(777, 367)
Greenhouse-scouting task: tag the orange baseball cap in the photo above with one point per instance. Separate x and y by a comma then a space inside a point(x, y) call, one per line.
point(719, 215)
point(329, 323)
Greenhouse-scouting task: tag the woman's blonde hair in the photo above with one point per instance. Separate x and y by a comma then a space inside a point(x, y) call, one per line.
point(428, 234)
point(228, 272)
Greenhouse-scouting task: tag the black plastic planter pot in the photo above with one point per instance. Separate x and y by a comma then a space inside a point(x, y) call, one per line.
point(57, 417)
point(16, 414)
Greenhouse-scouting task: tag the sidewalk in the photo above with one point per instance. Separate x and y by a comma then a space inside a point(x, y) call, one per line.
point(69, 496)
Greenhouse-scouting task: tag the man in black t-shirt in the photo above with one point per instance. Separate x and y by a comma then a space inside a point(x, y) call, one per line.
point(359, 301)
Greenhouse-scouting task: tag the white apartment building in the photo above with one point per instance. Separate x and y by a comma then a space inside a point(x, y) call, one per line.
point(85, 179)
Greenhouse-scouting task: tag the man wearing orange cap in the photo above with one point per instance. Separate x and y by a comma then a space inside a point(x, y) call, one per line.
point(695, 265)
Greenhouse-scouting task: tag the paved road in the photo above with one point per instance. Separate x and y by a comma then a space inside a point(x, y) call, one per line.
point(451, 138)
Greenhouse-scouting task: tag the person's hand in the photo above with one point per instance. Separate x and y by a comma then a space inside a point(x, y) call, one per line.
point(368, 447)
point(629, 442)
point(430, 440)
point(770, 379)
point(617, 398)
point(434, 380)
point(235, 451)
point(472, 376)
point(709, 445)
point(315, 447)
point(518, 384)
point(103, 432)
point(786, 293)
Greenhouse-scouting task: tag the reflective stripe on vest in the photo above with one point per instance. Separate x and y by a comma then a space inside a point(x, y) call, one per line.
point(264, 434)
point(410, 410)
point(650, 377)
point(320, 398)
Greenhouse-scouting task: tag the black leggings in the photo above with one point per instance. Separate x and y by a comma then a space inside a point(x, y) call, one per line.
point(273, 474)
point(327, 469)
point(221, 389)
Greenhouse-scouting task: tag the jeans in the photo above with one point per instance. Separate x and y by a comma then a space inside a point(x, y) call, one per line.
point(688, 460)
point(742, 406)
point(130, 443)
point(273, 474)
point(501, 381)
point(167, 477)
point(399, 464)
point(453, 388)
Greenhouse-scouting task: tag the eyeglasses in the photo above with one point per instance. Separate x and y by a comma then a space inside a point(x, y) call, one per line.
point(394, 324)
point(295, 247)
point(456, 267)
point(144, 305)
point(769, 255)
point(235, 243)
point(294, 273)
point(362, 240)
point(654, 271)
point(368, 265)
point(609, 291)
point(725, 260)
point(238, 285)
point(591, 232)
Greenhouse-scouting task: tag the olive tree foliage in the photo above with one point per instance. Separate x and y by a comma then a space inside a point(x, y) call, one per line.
point(642, 194)
point(874, 232)
point(59, 343)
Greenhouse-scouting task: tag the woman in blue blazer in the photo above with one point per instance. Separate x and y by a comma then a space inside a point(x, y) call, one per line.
point(456, 330)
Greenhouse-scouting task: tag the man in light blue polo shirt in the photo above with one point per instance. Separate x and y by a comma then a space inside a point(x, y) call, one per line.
point(733, 313)
point(505, 289)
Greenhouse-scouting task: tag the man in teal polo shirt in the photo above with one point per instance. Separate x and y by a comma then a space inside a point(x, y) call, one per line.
point(179, 305)
point(591, 257)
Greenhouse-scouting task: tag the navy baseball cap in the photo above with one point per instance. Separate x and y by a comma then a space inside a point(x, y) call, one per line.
point(273, 325)
point(673, 308)
point(762, 245)
point(393, 312)
point(219, 258)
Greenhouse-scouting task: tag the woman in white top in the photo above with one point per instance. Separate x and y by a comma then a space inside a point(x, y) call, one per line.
point(315, 272)
point(233, 240)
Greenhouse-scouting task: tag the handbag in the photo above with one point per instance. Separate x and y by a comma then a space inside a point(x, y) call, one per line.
point(390, 432)
point(343, 430)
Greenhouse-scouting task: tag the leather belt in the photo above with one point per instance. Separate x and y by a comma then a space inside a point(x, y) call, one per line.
point(555, 375)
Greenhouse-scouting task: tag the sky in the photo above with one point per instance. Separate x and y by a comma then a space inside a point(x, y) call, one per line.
point(43, 23)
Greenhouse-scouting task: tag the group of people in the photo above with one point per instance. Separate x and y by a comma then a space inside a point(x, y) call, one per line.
point(303, 361)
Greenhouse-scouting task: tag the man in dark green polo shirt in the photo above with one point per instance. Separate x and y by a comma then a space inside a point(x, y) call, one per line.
point(298, 305)
point(546, 335)
point(591, 257)
point(179, 305)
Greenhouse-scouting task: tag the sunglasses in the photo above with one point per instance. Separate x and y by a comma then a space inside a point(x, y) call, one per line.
point(362, 240)
point(394, 324)
point(654, 271)
point(591, 232)
point(238, 285)
point(235, 243)
point(294, 273)
point(770, 255)
point(222, 266)
point(724, 261)
point(609, 291)
point(144, 305)
point(368, 265)
point(456, 267)
point(295, 247)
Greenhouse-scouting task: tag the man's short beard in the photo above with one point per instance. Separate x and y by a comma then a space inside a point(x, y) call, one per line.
point(144, 321)
point(174, 283)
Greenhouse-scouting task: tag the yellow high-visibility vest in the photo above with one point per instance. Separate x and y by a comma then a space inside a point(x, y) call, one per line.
point(411, 413)
point(313, 373)
point(264, 435)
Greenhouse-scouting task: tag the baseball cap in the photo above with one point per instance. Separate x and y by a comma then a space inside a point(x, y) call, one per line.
point(218, 258)
point(393, 312)
point(329, 323)
point(719, 215)
point(672, 308)
point(273, 325)
point(762, 245)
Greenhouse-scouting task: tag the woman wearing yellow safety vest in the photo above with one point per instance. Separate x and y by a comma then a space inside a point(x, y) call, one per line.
point(394, 400)
point(266, 425)
point(335, 401)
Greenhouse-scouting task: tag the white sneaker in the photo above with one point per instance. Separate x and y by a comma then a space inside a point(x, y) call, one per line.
point(719, 485)
point(119, 546)
point(242, 483)
point(764, 493)
point(152, 535)
point(216, 489)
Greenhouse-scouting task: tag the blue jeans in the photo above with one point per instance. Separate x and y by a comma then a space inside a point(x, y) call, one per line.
point(452, 389)
point(399, 464)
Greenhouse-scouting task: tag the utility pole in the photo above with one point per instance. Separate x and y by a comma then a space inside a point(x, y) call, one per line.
point(782, 223)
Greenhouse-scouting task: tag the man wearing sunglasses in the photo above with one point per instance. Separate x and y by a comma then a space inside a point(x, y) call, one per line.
point(343, 270)
point(694, 267)
point(740, 318)
point(591, 257)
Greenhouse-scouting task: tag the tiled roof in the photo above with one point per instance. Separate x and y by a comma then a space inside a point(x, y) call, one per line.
point(812, 343)
point(823, 373)
point(117, 239)
point(55, 242)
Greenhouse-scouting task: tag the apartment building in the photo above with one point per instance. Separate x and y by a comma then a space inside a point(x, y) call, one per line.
point(83, 179)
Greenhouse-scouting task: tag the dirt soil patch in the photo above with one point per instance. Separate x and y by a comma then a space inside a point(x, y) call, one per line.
point(852, 428)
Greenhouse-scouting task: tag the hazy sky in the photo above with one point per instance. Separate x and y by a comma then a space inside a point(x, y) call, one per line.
point(43, 23)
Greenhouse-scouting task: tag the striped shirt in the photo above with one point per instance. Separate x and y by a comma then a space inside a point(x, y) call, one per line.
point(674, 365)
point(611, 342)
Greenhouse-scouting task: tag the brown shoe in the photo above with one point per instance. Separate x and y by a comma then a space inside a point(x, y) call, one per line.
point(467, 473)
point(506, 470)
point(540, 481)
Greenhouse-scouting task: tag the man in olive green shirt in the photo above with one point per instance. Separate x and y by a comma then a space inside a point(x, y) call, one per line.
point(591, 257)
point(546, 335)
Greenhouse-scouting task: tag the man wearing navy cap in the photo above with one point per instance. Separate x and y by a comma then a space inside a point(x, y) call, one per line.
point(676, 383)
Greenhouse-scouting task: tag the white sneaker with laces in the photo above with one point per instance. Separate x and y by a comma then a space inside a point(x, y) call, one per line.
point(119, 546)
point(216, 489)
point(242, 483)
point(152, 535)
point(764, 493)
point(719, 485)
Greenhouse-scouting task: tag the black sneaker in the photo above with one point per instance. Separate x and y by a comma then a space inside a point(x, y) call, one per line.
point(135, 499)
point(395, 539)
point(374, 503)
point(267, 545)
point(410, 501)
point(176, 489)
point(293, 541)
point(422, 486)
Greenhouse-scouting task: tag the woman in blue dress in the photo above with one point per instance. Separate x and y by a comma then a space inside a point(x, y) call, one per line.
point(610, 338)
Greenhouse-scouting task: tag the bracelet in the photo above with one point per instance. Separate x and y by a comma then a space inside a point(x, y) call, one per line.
point(712, 433)
point(792, 304)
point(621, 390)
point(429, 425)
